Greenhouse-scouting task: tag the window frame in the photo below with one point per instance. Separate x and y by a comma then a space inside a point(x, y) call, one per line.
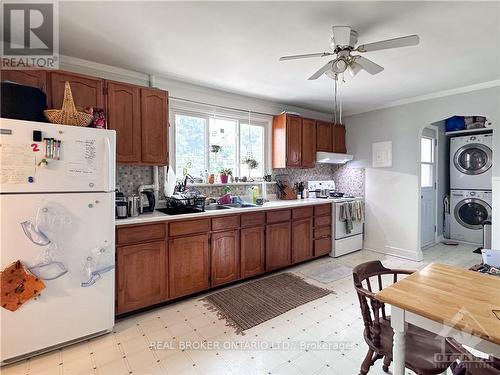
point(207, 112)
point(431, 163)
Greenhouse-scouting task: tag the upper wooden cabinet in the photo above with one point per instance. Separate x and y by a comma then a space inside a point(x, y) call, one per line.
point(324, 136)
point(339, 139)
point(124, 116)
point(140, 117)
point(330, 137)
point(87, 91)
point(308, 143)
point(294, 142)
point(154, 126)
point(34, 78)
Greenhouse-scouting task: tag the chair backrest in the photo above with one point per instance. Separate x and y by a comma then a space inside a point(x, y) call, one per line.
point(372, 309)
point(474, 365)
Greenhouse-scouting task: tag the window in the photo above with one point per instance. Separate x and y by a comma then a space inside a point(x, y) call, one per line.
point(426, 162)
point(208, 141)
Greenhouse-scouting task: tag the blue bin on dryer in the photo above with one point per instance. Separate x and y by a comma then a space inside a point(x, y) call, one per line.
point(455, 123)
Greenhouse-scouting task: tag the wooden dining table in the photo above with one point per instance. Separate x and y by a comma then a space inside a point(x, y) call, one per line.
point(448, 301)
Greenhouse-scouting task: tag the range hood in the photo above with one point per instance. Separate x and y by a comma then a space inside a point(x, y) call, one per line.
point(332, 158)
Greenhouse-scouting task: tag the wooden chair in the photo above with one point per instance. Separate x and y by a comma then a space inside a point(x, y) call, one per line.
point(473, 365)
point(421, 345)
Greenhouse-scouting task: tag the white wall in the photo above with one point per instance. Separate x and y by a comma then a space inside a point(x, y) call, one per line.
point(392, 194)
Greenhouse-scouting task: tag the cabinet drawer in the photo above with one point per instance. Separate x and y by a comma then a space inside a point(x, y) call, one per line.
point(322, 232)
point(278, 216)
point(322, 246)
point(302, 212)
point(254, 218)
point(140, 233)
point(323, 210)
point(225, 222)
point(179, 228)
point(322, 220)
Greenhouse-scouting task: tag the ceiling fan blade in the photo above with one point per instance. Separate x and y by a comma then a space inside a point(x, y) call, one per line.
point(410, 40)
point(368, 65)
point(321, 71)
point(305, 56)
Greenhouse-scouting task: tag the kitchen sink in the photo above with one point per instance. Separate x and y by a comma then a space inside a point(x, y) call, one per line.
point(213, 207)
point(178, 210)
point(241, 205)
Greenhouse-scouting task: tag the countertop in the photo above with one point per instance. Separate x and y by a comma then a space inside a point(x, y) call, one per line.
point(272, 205)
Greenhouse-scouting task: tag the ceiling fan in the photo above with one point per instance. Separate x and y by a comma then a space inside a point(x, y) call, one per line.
point(342, 42)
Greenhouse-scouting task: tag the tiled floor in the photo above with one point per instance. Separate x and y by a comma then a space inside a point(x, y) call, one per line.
point(287, 344)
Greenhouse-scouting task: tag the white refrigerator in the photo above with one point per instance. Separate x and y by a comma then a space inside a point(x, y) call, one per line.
point(57, 187)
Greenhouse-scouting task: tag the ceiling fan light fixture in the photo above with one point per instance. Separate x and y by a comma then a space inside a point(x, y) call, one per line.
point(339, 65)
point(354, 68)
point(330, 73)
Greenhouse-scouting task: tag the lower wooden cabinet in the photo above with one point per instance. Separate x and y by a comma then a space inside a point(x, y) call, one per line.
point(278, 249)
point(302, 240)
point(141, 275)
point(252, 251)
point(225, 251)
point(189, 267)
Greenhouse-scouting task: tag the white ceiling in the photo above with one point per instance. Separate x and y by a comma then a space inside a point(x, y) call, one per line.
point(235, 46)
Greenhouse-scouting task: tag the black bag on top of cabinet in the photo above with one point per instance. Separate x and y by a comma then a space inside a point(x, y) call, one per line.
point(22, 102)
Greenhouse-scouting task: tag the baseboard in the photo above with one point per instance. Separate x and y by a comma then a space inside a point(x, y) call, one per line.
point(397, 252)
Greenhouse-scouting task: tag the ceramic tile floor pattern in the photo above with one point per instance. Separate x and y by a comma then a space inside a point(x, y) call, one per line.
point(287, 344)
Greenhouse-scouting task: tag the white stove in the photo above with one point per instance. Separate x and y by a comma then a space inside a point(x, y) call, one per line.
point(344, 241)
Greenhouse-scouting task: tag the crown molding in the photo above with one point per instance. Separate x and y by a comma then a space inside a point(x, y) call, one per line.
point(434, 95)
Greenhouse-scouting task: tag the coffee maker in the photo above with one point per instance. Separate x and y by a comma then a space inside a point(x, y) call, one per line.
point(148, 201)
point(121, 206)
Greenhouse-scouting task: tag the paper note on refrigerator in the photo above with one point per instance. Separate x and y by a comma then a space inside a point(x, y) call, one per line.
point(17, 163)
point(81, 156)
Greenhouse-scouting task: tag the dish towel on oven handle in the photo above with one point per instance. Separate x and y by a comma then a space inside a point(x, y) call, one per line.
point(351, 211)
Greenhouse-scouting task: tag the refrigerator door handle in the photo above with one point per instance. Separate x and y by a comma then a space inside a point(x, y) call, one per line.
point(109, 181)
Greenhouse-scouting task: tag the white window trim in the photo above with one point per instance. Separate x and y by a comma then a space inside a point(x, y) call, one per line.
point(431, 163)
point(206, 112)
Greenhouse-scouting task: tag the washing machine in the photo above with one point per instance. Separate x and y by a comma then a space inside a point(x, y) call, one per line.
point(471, 158)
point(469, 209)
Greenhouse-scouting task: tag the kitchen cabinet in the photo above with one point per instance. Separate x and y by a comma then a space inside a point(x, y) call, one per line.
point(308, 149)
point(124, 116)
point(224, 257)
point(141, 275)
point(278, 249)
point(140, 117)
point(339, 145)
point(252, 251)
point(324, 136)
point(87, 91)
point(34, 78)
point(294, 142)
point(189, 265)
point(154, 126)
point(322, 229)
point(302, 240)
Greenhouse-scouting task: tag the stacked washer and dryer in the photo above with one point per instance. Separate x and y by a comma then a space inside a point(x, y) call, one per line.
point(471, 159)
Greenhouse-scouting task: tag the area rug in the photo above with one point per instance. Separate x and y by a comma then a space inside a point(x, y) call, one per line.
point(253, 303)
point(327, 272)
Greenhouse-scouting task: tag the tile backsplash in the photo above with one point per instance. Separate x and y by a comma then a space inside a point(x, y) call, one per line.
point(348, 180)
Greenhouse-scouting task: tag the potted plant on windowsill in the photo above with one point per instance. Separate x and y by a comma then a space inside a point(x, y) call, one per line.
point(224, 175)
point(251, 163)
